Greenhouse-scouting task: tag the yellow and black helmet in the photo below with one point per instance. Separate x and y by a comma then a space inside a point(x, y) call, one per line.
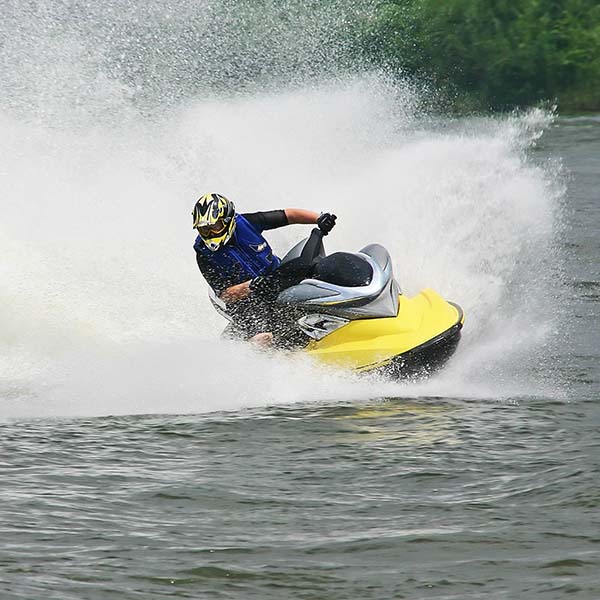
point(214, 219)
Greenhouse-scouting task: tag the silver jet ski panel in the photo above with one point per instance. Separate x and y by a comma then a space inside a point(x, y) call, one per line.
point(379, 298)
point(219, 305)
point(379, 254)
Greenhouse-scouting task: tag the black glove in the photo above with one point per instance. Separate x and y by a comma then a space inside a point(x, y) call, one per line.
point(326, 222)
point(265, 286)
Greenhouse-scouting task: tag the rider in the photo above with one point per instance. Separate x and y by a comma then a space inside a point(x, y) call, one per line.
point(238, 262)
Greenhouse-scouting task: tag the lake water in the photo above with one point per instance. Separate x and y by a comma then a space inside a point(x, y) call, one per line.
point(389, 497)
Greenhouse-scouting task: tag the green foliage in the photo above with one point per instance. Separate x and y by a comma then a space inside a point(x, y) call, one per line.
point(496, 53)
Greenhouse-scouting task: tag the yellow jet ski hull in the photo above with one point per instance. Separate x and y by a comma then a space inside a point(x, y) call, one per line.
point(418, 340)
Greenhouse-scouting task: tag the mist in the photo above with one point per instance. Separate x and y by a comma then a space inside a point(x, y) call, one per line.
point(103, 310)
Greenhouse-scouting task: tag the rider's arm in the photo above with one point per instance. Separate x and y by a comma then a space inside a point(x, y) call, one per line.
point(301, 216)
point(273, 219)
point(236, 292)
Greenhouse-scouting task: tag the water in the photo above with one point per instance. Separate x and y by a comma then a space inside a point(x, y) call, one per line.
point(434, 498)
point(143, 458)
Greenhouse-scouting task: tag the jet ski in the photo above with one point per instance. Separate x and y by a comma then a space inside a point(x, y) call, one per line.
point(346, 310)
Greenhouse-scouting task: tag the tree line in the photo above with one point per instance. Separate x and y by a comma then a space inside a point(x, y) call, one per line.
point(492, 54)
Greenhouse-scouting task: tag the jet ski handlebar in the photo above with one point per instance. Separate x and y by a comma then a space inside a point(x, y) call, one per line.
point(313, 246)
point(299, 262)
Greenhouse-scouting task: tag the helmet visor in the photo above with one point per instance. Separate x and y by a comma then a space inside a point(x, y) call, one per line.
point(214, 230)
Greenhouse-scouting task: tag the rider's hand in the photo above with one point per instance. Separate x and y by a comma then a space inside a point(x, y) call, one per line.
point(265, 286)
point(326, 222)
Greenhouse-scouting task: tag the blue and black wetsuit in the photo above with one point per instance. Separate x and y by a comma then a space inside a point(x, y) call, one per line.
point(245, 256)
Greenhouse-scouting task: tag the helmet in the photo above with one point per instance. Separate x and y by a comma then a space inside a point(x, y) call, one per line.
point(214, 218)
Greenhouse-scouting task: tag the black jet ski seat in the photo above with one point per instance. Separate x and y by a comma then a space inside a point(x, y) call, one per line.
point(344, 268)
point(350, 285)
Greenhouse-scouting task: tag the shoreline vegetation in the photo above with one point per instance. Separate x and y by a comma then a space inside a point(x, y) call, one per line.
point(489, 56)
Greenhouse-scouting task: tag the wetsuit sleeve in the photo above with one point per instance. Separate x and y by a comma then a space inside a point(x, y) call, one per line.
point(213, 278)
point(269, 219)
